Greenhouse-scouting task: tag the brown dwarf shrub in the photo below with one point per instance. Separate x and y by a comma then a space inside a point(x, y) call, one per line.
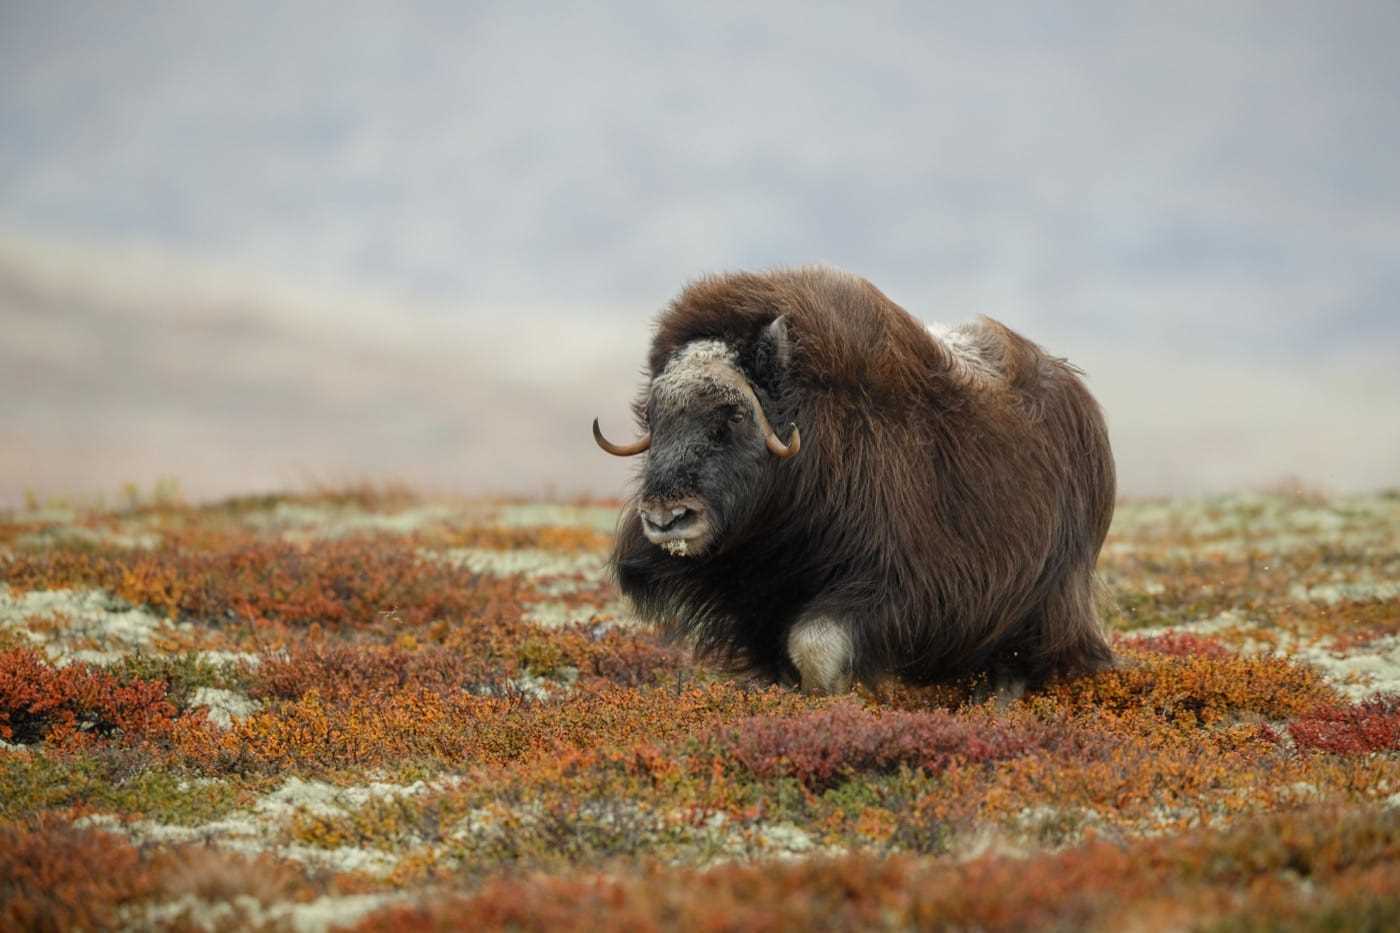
point(461, 729)
point(56, 877)
point(1197, 688)
point(1180, 882)
point(350, 582)
point(336, 669)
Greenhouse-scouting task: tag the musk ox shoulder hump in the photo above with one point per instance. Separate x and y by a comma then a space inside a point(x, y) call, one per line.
point(966, 353)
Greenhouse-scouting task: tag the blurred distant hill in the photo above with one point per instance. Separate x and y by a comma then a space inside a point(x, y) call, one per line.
point(122, 364)
point(128, 365)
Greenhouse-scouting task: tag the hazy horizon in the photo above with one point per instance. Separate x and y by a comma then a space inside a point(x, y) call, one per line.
point(137, 365)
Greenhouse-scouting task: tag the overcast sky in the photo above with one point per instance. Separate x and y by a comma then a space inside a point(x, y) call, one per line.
point(1210, 182)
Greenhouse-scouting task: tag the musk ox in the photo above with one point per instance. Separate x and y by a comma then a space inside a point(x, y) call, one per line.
point(833, 491)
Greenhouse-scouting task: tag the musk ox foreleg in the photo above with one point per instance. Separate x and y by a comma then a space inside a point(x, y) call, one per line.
point(1002, 684)
point(821, 649)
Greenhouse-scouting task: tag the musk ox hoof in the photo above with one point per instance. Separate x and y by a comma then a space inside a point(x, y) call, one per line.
point(821, 650)
point(1002, 687)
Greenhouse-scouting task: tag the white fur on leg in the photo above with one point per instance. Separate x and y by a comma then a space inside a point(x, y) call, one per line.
point(821, 649)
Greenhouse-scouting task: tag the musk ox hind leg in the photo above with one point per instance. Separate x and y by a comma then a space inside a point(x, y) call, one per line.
point(821, 649)
point(1072, 641)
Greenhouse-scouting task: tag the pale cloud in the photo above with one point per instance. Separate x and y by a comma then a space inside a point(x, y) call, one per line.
point(1022, 158)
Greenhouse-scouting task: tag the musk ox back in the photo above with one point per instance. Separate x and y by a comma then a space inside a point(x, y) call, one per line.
point(832, 490)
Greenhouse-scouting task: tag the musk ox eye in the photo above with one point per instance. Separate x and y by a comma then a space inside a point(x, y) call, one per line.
point(736, 417)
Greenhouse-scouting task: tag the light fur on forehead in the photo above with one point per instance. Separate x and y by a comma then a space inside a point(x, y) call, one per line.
point(704, 366)
point(698, 363)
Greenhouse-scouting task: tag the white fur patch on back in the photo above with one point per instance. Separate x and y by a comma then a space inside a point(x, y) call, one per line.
point(968, 361)
point(821, 650)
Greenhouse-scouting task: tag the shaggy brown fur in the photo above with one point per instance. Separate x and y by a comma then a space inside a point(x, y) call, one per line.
point(949, 516)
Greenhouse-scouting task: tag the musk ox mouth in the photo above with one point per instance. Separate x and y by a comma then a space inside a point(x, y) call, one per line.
point(681, 527)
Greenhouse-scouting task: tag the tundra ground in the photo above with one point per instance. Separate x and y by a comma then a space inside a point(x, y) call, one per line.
point(367, 709)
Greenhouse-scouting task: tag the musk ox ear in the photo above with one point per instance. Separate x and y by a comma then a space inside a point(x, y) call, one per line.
point(772, 355)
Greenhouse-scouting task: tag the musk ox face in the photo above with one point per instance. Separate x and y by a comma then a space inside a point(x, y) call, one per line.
point(707, 454)
point(708, 445)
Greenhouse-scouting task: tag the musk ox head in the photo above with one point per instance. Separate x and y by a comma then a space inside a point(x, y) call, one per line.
point(710, 446)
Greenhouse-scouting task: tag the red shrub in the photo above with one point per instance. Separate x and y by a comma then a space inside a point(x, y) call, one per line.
point(633, 659)
point(40, 702)
point(1179, 644)
point(1372, 726)
point(819, 748)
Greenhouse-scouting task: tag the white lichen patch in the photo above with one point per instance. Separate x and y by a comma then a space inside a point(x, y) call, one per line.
point(1359, 672)
point(1354, 591)
point(247, 912)
point(367, 861)
point(545, 515)
point(600, 618)
point(224, 706)
point(781, 840)
point(240, 828)
point(1254, 514)
point(1055, 827)
point(528, 562)
point(90, 617)
point(323, 799)
point(557, 615)
point(265, 827)
point(1248, 542)
point(1356, 671)
point(303, 522)
point(229, 658)
point(678, 837)
point(68, 535)
point(1231, 620)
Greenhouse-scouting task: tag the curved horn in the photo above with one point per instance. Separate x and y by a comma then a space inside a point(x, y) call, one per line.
point(620, 450)
point(770, 437)
point(783, 451)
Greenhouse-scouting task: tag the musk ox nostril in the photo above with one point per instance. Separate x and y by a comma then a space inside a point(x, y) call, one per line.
point(667, 516)
point(660, 520)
